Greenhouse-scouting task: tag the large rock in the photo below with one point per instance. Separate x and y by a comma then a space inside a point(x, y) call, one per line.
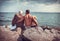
point(11, 35)
point(31, 34)
point(8, 35)
point(42, 35)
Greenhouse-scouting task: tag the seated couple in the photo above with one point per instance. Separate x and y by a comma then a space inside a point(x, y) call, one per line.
point(27, 21)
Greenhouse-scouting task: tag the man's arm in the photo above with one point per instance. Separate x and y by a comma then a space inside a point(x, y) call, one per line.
point(35, 20)
point(22, 18)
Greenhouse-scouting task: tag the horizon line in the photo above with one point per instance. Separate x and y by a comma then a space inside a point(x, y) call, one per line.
point(33, 11)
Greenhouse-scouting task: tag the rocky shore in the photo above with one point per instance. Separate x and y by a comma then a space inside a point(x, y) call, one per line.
point(44, 33)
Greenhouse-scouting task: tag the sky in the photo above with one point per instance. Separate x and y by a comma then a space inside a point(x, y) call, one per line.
point(32, 5)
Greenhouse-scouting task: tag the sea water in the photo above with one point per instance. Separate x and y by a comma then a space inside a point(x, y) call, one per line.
point(43, 18)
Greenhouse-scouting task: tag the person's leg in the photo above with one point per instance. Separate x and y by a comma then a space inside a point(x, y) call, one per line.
point(19, 30)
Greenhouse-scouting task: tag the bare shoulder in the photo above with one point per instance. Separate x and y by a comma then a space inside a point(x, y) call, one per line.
point(30, 15)
point(17, 14)
point(34, 17)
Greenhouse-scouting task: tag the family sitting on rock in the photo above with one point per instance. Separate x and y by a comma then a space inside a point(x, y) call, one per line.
point(24, 22)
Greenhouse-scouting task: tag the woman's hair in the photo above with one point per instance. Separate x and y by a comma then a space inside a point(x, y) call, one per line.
point(20, 12)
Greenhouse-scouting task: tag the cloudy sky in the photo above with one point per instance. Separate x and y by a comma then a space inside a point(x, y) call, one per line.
point(33, 5)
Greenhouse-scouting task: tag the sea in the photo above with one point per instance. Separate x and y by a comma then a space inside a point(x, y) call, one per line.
point(43, 18)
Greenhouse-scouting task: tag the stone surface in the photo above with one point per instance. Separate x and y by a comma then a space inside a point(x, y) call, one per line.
point(31, 34)
point(42, 35)
point(7, 35)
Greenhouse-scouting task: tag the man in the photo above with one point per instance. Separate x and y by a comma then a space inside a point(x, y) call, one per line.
point(29, 20)
point(18, 20)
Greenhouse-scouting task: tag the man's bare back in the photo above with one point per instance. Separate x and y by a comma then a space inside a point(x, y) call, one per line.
point(28, 20)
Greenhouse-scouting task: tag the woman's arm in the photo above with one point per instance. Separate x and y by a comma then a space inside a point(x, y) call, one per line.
point(14, 20)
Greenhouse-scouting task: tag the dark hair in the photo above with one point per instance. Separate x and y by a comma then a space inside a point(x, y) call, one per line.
point(27, 11)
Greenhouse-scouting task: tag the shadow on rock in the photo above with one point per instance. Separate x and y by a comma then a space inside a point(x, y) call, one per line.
point(56, 39)
point(23, 38)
